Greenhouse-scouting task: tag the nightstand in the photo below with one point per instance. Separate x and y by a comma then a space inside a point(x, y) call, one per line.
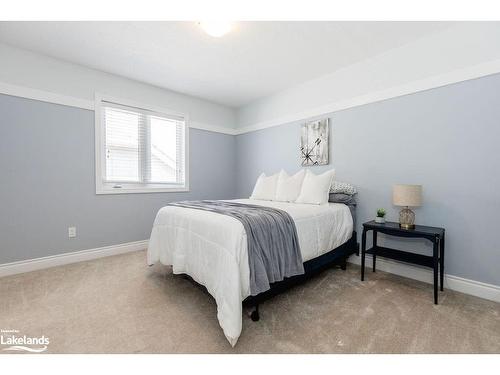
point(433, 234)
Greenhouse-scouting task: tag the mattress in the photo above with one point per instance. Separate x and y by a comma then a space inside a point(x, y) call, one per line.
point(212, 248)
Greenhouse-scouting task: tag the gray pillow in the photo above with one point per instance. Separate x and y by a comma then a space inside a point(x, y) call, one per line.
point(342, 198)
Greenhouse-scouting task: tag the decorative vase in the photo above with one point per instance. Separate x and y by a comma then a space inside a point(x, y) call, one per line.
point(380, 220)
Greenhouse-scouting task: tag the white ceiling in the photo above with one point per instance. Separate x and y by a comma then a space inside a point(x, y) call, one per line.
point(254, 60)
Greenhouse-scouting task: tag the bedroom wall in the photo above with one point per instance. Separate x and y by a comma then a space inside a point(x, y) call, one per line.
point(48, 182)
point(445, 139)
point(464, 51)
point(22, 70)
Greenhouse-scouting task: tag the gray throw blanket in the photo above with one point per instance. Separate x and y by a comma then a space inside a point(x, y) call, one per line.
point(273, 246)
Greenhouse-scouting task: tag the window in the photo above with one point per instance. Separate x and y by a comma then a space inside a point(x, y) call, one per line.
point(139, 150)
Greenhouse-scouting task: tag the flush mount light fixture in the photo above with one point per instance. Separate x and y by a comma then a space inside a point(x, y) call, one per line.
point(216, 28)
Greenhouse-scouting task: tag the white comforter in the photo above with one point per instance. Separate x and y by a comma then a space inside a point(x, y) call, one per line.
point(212, 248)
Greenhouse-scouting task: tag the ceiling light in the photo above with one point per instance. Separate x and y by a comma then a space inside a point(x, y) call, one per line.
point(216, 28)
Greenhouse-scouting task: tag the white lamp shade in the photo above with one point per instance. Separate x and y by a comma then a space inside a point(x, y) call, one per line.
point(407, 195)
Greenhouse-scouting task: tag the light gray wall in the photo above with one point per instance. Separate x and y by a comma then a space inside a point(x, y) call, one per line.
point(446, 139)
point(48, 184)
point(28, 69)
point(463, 49)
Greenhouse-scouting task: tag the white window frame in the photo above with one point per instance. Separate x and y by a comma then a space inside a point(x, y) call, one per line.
point(103, 187)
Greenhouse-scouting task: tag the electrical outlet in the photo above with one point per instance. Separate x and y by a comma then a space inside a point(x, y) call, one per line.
point(72, 232)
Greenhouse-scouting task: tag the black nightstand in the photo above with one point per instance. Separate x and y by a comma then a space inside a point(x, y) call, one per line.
point(433, 234)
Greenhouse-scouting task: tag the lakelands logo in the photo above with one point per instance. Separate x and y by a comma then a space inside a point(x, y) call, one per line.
point(17, 342)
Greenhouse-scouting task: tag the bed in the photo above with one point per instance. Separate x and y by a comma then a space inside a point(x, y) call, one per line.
point(212, 249)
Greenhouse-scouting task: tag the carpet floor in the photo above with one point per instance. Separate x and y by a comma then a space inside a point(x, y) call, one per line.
point(119, 305)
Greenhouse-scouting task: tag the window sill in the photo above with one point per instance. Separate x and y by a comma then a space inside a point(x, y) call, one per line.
point(144, 190)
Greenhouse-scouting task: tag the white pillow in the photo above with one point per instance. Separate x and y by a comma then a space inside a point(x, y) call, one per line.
point(265, 187)
point(289, 187)
point(316, 188)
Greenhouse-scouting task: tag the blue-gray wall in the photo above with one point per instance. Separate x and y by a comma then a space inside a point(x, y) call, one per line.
point(48, 182)
point(447, 139)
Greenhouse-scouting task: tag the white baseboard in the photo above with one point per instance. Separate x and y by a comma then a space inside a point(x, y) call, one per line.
point(67, 258)
point(459, 284)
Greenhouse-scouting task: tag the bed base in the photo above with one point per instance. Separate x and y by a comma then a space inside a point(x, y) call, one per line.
point(337, 256)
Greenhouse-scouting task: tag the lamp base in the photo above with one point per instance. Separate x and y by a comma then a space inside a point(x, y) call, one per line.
point(407, 219)
point(407, 226)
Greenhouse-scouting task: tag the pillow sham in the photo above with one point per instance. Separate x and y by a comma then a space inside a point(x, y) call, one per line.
point(315, 188)
point(342, 188)
point(342, 198)
point(265, 187)
point(288, 187)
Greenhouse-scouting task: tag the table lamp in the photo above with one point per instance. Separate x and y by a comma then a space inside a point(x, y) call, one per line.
point(407, 196)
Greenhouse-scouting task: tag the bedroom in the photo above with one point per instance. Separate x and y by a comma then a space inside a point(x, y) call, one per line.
point(250, 187)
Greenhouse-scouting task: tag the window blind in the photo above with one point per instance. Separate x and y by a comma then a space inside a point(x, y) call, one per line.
point(142, 147)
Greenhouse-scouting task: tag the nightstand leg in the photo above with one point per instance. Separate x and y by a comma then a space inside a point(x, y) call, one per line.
point(435, 261)
point(363, 249)
point(441, 261)
point(374, 249)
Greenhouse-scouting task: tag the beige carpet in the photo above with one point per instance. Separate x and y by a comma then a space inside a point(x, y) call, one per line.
point(119, 305)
